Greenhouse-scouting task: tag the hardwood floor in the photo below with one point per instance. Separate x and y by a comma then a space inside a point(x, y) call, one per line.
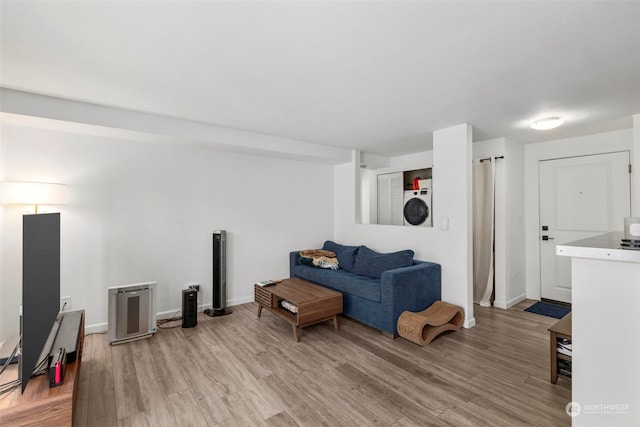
point(240, 370)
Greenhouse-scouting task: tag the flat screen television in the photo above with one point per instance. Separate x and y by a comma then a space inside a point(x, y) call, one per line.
point(40, 288)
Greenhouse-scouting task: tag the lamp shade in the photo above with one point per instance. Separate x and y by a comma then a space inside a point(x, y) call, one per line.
point(33, 193)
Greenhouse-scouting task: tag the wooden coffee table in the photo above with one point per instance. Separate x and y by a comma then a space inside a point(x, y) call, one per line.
point(315, 303)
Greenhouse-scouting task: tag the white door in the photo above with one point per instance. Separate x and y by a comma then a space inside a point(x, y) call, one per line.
point(580, 197)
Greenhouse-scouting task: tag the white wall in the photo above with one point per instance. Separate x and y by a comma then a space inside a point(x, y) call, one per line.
point(141, 211)
point(591, 144)
point(450, 248)
point(515, 274)
point(421, 160)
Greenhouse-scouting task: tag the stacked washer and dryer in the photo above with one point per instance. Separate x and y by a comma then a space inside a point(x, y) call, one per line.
point(417, 205)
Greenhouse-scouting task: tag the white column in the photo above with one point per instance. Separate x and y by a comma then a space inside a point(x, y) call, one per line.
point(452, 206)
point(355, 163)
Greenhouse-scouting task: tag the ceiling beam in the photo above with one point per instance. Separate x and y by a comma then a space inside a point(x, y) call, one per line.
point(34, 110)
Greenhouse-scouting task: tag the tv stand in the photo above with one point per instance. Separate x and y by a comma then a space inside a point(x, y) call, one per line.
point(41, 405)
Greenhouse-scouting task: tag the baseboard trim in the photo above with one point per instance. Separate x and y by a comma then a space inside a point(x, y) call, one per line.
point(534, 296)
point(95, 328)
point(99, 328)
point(238, 301)
point(511, 302)
point(469, 323)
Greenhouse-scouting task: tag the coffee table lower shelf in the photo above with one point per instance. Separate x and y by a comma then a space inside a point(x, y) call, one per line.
point(316, 304)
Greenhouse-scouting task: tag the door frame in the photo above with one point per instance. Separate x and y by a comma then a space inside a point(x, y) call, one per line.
point(626, 154)
point(621, 140)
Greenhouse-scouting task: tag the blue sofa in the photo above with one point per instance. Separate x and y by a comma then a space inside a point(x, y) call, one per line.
point(376, 287)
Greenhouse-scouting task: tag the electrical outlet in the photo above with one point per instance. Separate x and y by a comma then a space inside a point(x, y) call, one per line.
point(65, 303)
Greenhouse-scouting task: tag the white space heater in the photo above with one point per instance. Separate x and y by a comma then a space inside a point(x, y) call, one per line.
point(132, 312)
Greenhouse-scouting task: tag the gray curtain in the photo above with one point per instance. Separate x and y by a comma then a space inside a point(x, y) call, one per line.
point(483, 231)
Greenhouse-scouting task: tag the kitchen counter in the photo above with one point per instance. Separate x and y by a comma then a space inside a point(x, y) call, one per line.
point(605, 281)
point(605, 246)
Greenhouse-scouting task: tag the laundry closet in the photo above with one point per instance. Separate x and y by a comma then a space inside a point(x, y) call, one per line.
point(405, 198)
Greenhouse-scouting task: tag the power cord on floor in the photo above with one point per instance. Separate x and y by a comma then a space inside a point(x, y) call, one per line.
point(41, 368)
point(13, 354)
point(9, 387)
point(170, 322)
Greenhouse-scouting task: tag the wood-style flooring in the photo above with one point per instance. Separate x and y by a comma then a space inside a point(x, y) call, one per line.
point(241, 370)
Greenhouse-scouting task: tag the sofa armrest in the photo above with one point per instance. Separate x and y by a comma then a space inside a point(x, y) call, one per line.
point(293, 261)
point(412, 288)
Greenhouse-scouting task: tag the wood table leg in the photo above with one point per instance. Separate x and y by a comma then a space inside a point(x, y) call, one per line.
point(259, 309)
point(335, 322)
point(554, 357)
point(295, 333)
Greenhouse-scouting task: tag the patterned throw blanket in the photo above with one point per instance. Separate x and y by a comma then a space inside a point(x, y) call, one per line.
point(320, 258)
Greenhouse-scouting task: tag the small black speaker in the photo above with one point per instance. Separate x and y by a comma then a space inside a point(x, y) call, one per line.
point(189, 308)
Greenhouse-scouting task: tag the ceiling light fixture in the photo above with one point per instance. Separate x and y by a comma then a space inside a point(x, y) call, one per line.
point(547, 123)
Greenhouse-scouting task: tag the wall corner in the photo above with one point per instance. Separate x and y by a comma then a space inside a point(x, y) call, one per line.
point(635, 164)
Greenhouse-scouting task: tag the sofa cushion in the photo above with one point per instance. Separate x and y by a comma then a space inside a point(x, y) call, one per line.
point(346, 254)
point(372, 264)
point(341, 281)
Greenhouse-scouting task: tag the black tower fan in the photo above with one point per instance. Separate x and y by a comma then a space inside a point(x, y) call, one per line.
point(219, 304)
point(189, 308)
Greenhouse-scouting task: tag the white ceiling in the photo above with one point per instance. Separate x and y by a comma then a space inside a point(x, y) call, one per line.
point(373, 76)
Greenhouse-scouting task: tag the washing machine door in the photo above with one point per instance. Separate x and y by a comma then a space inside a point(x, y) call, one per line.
point(416, 211)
